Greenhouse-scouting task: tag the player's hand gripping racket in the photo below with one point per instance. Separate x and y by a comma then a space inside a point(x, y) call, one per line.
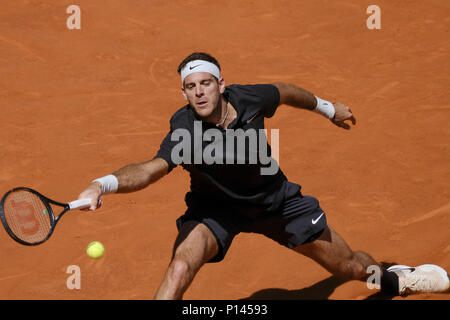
point(28, 217)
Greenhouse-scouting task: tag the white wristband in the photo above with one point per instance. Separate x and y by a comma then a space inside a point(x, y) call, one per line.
point(325, 108)
point(109, 183)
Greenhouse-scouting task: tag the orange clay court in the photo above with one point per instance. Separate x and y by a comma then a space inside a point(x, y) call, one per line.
point(79, 104)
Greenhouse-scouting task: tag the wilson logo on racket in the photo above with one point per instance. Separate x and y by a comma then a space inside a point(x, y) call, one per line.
point(26, 220)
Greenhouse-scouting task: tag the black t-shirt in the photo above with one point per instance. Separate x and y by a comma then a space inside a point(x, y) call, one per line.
point(228, 165)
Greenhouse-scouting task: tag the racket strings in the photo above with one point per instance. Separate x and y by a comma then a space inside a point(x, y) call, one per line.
point(27, 216)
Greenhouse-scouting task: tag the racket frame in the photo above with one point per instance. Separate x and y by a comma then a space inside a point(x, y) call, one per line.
point(46, 201)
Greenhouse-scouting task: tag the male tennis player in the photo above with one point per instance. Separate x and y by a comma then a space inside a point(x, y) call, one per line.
point(230, 193)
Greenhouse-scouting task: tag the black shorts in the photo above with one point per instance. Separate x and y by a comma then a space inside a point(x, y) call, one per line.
point(299, 220)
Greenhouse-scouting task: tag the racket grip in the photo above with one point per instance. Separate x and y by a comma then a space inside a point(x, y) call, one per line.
point(80, 204)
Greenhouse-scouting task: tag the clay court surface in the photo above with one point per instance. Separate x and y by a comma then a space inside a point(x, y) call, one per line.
point(79, 104)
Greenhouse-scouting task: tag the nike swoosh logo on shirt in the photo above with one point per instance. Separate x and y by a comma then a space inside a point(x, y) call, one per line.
point(315, 221)
point(192, 67)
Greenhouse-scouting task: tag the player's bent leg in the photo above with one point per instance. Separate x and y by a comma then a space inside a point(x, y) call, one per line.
point(334, 254)
point(194, 246)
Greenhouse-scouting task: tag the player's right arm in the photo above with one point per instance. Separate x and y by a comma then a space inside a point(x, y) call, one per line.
point(132, 177)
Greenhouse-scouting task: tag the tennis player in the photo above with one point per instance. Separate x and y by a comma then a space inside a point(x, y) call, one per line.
point(230, 192)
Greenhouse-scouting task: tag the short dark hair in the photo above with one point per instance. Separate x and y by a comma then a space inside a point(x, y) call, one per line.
point(197, 56)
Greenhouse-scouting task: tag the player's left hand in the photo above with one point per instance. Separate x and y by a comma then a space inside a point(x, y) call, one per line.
point(342, 113)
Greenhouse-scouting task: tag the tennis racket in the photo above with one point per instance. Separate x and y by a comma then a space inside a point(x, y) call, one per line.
point(28, 216)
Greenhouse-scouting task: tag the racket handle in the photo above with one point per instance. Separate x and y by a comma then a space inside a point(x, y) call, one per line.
point(80, 204)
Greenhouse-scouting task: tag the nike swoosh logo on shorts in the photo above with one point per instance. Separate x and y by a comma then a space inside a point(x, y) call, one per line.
point(192, 67)
point(315, 221)
point(253, 117)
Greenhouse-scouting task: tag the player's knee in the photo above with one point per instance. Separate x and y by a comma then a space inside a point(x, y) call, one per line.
point(179, 270)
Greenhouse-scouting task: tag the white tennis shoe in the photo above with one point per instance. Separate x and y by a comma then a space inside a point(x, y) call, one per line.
point(424, 278)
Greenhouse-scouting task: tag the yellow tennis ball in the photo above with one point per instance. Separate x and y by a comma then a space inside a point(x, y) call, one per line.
point(95, 249)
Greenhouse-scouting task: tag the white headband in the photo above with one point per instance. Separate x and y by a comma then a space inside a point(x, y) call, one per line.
point(199, 66)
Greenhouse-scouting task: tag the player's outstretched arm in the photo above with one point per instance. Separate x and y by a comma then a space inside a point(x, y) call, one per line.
point(298, 97)
point(132, 177)
point(295, 96)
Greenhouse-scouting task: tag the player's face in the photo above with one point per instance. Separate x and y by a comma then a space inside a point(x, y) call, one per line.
point(203, 92)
